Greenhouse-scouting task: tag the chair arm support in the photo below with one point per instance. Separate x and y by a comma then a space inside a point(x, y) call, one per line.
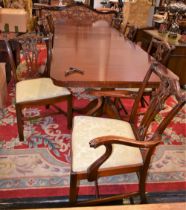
point(108, 140)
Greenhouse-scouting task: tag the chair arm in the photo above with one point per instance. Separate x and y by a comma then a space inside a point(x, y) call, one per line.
point(107, 140)
point(113, 93)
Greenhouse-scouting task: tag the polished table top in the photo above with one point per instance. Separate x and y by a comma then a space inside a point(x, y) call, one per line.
point(105, 57)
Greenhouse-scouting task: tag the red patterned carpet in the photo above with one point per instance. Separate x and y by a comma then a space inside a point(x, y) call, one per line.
point(39, 166)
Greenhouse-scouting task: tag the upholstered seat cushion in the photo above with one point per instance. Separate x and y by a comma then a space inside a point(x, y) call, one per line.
point(35, 89)
point(86, 128)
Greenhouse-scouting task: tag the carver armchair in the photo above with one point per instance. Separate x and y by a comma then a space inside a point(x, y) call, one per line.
point(34, 87)
point(106, 147)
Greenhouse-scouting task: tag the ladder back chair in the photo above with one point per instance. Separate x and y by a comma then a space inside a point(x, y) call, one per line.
point(36, 88)
point(106, 147)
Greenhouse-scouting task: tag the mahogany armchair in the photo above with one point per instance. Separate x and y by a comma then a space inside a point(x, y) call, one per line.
point(106, 147)
point(34, 87)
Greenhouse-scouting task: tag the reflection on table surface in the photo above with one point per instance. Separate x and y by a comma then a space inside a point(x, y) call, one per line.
point(104, 56)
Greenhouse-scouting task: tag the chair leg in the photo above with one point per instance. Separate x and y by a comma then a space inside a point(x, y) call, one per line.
point(19, 122)
point(47, 106)
point(110, 109)
point(69, 112)
point(120, 105)
point(142, 102)
point(142, 183)
point(73, 189)
point(131, 200)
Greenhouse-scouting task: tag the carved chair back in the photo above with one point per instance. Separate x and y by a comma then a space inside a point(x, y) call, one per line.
point(117, 21)
point(80, 14)
point(51, 26)
point(33, 57)
point(45, 26)
point(168, 86)
point(162, 50)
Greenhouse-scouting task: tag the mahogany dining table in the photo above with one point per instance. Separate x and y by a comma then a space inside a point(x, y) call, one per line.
point(100, 56)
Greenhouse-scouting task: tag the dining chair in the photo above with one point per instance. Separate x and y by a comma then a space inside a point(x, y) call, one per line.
point(45, 26)
point(160, 50)
point(51, 25)
point(103, 147)
point(117, 21)
point(130, 32)
point(34, 87)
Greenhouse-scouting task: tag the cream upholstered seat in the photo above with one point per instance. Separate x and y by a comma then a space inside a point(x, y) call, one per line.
point(101, 127)
point(37, 89)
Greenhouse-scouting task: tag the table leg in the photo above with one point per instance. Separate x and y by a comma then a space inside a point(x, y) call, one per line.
point(100, 106)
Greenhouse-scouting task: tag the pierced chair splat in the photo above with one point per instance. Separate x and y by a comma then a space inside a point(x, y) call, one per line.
point(34, 87)
point(106, 147)
point(160, 50)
